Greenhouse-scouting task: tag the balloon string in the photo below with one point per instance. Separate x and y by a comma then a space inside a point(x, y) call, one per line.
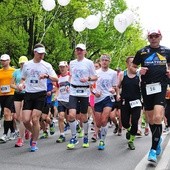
point(120, 51)
point(46, 29)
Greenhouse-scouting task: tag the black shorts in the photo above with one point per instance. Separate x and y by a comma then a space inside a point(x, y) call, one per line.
point(79, 103)
point(46, 108)
point(34, 101)
point(19, 96)
point(63, 106)
point(7, 102)
point(150, 101)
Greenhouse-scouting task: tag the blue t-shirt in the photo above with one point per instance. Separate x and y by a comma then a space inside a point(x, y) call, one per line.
point(49, 88)
point(17, 78)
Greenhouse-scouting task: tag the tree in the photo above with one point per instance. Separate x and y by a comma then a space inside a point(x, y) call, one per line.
point(25, 23)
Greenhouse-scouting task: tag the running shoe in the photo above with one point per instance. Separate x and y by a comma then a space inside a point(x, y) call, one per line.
point(119, 132)
point(79, 131)
point(44, 135)
point(19, 142)
point(159, 148)
point(131, 145)
point(85, 143)
point(146, 131)
point(52, 128)
point(127, 135)
point(94, 137)
point(27, 134)
point(12, 136)
point(152, 156)
point(34, 147)
point(166, 130)
point(73, 142)
point(3, 139)
point(101, 145)
point(61, 139)
point(116, 129)
point(139, 134)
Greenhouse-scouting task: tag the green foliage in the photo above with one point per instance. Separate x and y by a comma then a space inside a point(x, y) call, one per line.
point(25, 23)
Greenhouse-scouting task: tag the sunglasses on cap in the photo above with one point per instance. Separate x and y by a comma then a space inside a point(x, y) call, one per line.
point(154, 36)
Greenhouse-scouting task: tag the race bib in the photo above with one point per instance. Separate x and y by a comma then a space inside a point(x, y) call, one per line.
point(135, 103)
point(80, 91)
point(63, 89)
point(153, 88)
point(34, 82)
point(5, 89)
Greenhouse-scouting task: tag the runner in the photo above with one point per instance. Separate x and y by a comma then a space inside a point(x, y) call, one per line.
point(6, 96)
point(18, 100)
point(82, 71)
point(154, 59)
point(35, 73)
point(129, 83)
point(104, 100)
point(63, 98)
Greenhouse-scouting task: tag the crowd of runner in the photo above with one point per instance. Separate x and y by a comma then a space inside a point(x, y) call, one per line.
point(33, 96)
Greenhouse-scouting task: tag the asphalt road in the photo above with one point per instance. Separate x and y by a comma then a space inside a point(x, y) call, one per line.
point(52, 155)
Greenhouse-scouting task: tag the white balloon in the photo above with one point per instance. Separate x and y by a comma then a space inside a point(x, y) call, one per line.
point(92, 22)
point(63, 2)
point(79, 24)
point(129, 15)
point(120, 23)
point(48, 5)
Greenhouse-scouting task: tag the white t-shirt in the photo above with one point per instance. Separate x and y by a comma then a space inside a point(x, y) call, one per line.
point(81, 69)
point(106, 80)
point(64, 85)
point(31, 72)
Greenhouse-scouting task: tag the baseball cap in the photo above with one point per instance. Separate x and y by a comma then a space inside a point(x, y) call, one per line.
point(81, 46)
point(5, 57)
point(63, 63)
point(154, 31)
point(40, 50)
point(23, 59)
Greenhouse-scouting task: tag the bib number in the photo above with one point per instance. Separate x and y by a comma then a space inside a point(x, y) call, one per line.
point(135, 103)
point(81, 91)
point(5, 89)
point(153, 88)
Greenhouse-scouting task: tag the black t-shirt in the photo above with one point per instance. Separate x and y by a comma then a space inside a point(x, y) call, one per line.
point(156, 60)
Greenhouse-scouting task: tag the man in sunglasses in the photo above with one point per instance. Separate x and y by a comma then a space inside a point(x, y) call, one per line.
point(154, 60)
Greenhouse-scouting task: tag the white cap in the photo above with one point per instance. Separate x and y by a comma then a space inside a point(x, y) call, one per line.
point(154, 31)
point(40, 50)
point(63, 63)
point(81, 46)
point(5, 57)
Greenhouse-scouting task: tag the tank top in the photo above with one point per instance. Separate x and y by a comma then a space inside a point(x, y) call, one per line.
point(130, 87)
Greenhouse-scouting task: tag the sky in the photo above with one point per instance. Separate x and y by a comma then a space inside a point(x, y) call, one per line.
point(153, 13)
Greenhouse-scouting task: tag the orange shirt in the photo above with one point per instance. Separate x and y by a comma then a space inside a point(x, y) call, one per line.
point(5, 81)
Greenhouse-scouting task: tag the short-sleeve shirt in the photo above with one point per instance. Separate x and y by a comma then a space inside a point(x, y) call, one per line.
point(31, 72)
point(5, 81)
point(81, 69)
point(106, 80)
point(155, 59)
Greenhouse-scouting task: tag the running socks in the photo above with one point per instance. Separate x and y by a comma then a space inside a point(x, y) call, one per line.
point(73, 125)
point(103, 132)
point(156, 134)
point(85, 127)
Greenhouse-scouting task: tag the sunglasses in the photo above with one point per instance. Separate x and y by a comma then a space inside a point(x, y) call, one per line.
point(154, 36)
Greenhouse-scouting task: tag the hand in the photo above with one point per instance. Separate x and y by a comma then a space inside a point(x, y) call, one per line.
point(112, 90)
point(83, 80)
point(168, 73)
point(98, 94)
point(143, 70)
point(43, 76)
point(21, 87)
